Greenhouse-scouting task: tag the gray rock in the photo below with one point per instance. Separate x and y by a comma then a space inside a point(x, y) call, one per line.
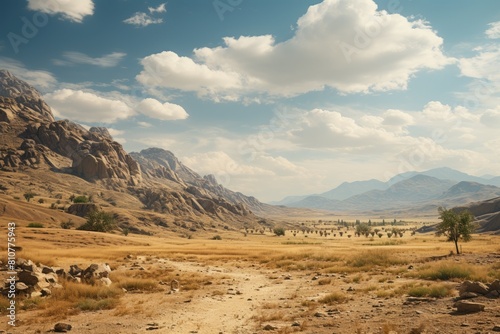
point(62, 327)
point(476, 287)
point(464, 306)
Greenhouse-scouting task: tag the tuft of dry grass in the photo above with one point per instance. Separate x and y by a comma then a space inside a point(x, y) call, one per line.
point(370, 259)
point(334, 298)
point(453, 271)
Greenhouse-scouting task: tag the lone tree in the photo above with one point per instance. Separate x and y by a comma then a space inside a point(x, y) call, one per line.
point(456, 225)
point(98, 221)
point(363, 228)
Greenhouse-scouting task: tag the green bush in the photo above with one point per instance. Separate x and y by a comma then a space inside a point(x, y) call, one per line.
point(216, 237)
point(98, 221)
point(35, 225)
point(29, 195)
point(67, 224)
point(81, 199)
point(279, 231)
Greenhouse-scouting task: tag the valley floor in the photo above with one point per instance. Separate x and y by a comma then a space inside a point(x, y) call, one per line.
point(265, 284)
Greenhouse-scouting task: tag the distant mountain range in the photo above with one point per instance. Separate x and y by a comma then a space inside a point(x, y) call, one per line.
point(428, 189)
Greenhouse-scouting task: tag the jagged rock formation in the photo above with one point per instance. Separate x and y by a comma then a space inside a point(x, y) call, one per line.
point(12, 89)
point(32, 138)
point(205, 195)
point(154, 176)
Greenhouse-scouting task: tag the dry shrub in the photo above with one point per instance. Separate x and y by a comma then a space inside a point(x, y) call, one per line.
point(334, 298)
point(369, 259)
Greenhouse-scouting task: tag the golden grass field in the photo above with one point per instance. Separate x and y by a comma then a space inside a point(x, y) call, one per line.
point(246, 281)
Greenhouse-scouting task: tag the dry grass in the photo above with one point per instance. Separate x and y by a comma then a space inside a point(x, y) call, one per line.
point(73, 298)
point(334, 298)
point(455, 271)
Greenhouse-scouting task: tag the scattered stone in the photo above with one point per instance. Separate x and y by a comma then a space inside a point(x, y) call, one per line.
point(464, 306)
point(468, 295)
point(319, 315)
point(496, 328)
point(476, 287)
point(350, 288)
point(296, 324)
point(269, 328)
point(465, 324)
point(62, 327)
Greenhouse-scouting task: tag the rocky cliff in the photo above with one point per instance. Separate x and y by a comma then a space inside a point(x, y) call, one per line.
point(32, 138)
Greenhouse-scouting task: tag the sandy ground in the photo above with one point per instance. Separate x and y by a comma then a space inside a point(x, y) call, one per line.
point(243, 298)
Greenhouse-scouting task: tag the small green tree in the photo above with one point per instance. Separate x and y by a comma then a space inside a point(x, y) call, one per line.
point(81, 199)
point(455, 225)
point(29, 195)
point(98, 221)
point(279, 231)
point(363, 228)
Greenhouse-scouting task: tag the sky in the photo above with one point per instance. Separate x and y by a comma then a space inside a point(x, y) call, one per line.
point(273, 97)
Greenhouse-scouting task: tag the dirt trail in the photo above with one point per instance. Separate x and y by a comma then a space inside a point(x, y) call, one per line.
point(244, 292)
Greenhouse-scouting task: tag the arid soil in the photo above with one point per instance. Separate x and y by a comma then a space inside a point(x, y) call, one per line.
point(238, 294)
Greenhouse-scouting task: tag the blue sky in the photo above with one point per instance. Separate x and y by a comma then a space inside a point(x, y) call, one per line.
point(275, 97)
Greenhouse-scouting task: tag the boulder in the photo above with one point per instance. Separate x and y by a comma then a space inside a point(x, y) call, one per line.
point(476, 287)
point(62, 327)
point(83, 209)
point(494, 286)
point(464, 307)
point(95, 272)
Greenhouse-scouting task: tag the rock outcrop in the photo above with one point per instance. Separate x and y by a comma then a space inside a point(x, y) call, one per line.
point(157, 164)
point(31, 135)
point(94, 155)
point(24, 95)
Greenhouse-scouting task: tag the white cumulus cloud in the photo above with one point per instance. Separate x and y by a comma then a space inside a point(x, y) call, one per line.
point(142, 20)
point(83, 106)
point(70, 10)
point(162, 111)
point(160, 9)
point(494, 31)
point(348, 45)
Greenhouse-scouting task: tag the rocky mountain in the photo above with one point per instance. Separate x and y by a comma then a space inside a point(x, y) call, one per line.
point(33, 141)
point(487, 214)
point(418, 192)
point(349, 189)
point(13, 89)
point(160, 165)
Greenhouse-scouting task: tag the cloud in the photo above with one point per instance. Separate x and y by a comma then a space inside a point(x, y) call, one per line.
point(165, 112)
point(70, 10)
point(142, 20)
point(345, 44)
point(117, 135)
point(494, 31)
point(435, 110)
point(109, 60)
point(484, 65)
point(394, 117)
point(39, 79)
point(491, 118)
point(160, 9)
point(144, 124)
point(222, 165)
point(87, 107)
